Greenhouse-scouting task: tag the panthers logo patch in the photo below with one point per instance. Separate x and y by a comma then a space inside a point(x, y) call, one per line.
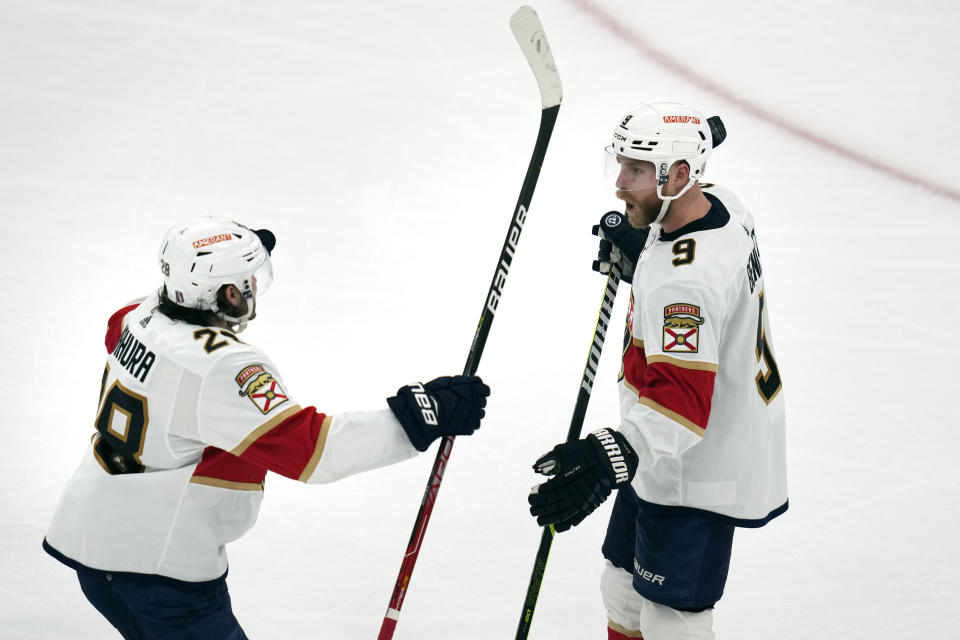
point(681, 328)
point(261, 387)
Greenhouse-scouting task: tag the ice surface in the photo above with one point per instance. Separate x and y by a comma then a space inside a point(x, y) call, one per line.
point(385, 144)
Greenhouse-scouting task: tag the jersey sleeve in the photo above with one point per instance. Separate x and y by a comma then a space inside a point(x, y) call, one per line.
point(670, 368)
point(244, 409)
point(358, 441)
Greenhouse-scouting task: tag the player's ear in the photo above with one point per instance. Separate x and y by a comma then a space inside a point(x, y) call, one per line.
point(230, 295)
point(681, 171)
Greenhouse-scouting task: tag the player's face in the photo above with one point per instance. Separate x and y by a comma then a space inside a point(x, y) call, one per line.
point(637, 187)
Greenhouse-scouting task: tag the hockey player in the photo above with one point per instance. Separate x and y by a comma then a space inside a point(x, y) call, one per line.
point(189, 421)
point(700, 448)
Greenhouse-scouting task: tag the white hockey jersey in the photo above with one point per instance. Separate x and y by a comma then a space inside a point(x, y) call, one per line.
point(189, 422)
point(700, 391)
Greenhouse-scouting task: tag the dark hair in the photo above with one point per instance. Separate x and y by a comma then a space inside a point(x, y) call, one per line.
point(202, 317)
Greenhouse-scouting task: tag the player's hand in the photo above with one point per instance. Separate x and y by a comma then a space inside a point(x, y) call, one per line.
point(584, 473)
point(620, 244)
point(445, 406)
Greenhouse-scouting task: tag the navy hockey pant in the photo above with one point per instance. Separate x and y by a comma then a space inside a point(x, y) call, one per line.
point(679, 557)
point(156, 608)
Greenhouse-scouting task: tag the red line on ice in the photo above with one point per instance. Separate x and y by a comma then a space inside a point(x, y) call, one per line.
point(642, 45)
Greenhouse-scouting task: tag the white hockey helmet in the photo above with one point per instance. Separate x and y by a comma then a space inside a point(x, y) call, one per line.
point(663, 133)
point(200, 257)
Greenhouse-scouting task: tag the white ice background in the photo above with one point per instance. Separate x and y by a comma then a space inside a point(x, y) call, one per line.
point(385, 144)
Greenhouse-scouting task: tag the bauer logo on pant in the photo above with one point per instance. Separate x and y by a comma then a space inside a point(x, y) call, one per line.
point(261, 387)
point(681, 328)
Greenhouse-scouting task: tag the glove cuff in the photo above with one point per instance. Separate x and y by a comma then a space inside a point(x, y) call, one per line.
point(619, 458)
point(405, 410)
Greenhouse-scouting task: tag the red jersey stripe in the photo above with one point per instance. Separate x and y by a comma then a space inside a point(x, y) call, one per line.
point(682, 390)
point(254, 435)
point(634, 364)
point(220, 468)
point(291, 446)
point(686, 392)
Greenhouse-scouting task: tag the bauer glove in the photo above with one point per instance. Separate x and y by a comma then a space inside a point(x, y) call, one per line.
point(584, 473)
point(620, 244)
point(446, 406)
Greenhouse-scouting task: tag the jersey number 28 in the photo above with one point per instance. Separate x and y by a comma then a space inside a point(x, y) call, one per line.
point(121, 428)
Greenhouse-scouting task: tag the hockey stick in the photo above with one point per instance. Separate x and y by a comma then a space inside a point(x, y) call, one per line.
point(528, 31)
point(576, 424)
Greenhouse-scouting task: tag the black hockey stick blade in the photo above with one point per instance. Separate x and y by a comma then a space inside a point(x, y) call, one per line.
point(576, 426)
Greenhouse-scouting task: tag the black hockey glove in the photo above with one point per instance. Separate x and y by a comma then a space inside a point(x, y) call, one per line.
point(620, 243)
point(585, 472)
point(446, 406)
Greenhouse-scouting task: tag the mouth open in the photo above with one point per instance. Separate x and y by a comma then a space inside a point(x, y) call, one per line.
point(629, 206)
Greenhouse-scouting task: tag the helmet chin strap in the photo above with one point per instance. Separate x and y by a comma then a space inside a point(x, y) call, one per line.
point(668, 199)
point(238, 323)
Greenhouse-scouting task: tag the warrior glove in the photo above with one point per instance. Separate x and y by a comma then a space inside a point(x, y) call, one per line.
point(446, 406)
point(620, 244)
point(584, 473)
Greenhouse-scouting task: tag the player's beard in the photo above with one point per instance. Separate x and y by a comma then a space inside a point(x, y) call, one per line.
point(246, 305)
point(238, 310)
point(642, 206)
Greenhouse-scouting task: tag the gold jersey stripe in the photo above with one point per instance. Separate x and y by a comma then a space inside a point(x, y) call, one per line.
point(637, 342)
point(673, 415)
point(227, 484)
point(683, 364)
point(315, 458)
point(630, 633)
point(262, 429)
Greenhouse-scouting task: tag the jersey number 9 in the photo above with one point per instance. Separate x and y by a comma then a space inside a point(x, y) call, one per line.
point(768, 385)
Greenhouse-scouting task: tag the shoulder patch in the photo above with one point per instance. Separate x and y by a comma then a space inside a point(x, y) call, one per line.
point(681, 328)
point(261, 387)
